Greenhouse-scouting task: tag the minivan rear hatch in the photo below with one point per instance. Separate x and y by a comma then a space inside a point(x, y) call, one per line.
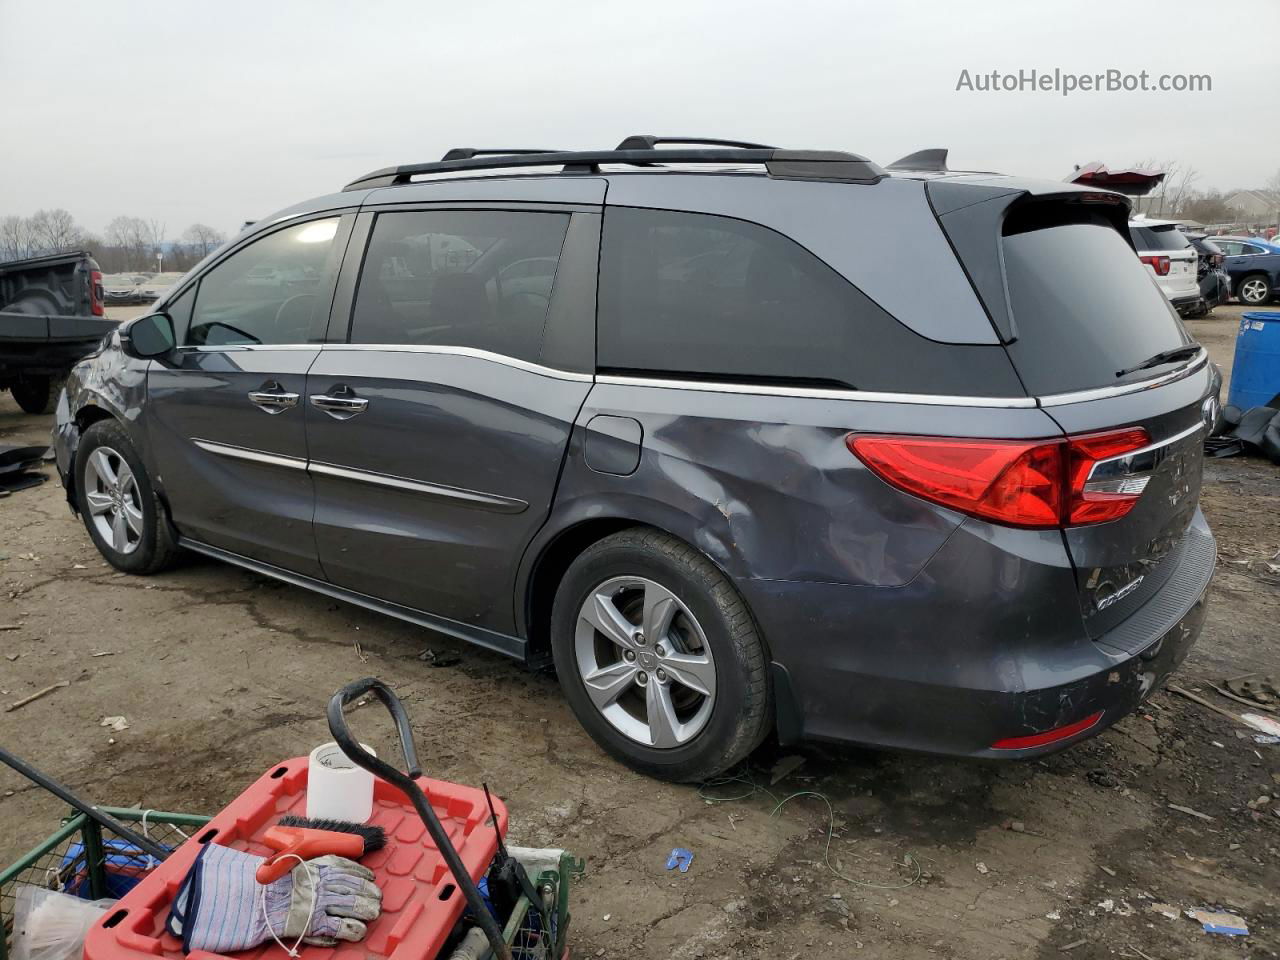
point(1094, 339)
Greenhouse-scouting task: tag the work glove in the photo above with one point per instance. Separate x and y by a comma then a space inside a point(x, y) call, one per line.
point(221, 907)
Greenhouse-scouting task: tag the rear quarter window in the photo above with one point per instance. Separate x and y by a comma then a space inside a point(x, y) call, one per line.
point(699, 296)
point(1083, 306)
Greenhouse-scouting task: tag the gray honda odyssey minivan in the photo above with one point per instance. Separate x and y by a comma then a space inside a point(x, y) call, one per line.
point(738, 439)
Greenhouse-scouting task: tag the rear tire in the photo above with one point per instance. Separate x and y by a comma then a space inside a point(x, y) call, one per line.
point(689, 700)
point(37, 394)
point(1254, 290)
point(125, 519)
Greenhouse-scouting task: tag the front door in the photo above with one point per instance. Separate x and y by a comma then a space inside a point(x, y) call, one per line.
point(225, 412)
point(436, 434)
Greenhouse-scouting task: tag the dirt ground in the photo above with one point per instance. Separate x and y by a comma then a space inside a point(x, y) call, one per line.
point(222, 673)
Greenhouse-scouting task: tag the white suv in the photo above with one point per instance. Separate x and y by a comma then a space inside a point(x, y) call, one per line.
point(1171, 259)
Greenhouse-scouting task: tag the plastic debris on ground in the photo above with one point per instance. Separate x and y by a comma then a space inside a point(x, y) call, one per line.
point(1267, 725)
point(680, 859)
point(1214, 921)
point(1256, 430)
point(16, 464)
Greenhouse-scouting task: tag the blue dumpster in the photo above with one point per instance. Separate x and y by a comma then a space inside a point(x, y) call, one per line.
point(1255, 373)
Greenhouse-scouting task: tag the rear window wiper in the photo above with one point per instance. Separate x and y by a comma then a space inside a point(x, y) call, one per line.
point(1184, 352)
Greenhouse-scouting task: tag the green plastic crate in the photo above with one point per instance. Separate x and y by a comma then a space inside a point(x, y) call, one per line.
point(44, 865)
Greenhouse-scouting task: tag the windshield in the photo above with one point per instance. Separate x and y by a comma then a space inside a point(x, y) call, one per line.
point(1083, 308)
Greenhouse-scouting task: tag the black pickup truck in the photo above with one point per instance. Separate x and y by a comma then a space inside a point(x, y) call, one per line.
point(51, 315)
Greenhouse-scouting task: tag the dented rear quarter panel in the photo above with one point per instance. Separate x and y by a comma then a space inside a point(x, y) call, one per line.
point(766, 487)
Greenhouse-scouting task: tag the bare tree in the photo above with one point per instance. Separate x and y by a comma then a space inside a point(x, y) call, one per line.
point(16, 239)
point(56, 231)
point(128, 237)
point(1174, 190)
point(202, 239)
point(1208, 207)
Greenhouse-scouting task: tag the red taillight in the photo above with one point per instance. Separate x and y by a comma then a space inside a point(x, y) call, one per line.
point(1159, 264)
point(1019, 483)
point(1049, 736)
point(96, 306)
point(1091, 506)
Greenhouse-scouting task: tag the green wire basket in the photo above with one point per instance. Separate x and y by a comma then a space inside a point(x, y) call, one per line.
point(77, 855)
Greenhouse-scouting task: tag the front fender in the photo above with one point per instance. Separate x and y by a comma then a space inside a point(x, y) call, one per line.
point(107, 384)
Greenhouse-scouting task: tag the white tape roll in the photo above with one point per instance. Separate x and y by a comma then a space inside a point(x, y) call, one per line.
point(336, 788)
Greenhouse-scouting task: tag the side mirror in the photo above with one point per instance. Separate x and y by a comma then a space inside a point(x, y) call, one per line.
point(149, 336)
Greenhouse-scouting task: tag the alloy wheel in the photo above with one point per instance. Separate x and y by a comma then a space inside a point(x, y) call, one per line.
point(1253, 291)
point(113, 498)
point(645, 662)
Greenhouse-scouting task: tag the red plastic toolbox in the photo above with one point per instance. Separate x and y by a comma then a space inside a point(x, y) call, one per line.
point(420, 903)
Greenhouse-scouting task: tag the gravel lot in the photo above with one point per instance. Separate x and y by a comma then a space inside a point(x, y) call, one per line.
point(222, 673)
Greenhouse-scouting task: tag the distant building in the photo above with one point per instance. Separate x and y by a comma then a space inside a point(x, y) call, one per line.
point(1260, 206)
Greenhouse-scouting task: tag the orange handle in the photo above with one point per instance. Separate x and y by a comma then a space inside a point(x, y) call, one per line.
point(306, 844)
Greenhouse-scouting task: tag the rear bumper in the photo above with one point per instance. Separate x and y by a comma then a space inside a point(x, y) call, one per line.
point(951, 679)
point(1189, 305)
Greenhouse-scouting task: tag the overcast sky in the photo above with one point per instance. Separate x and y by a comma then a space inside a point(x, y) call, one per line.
point(224, 111)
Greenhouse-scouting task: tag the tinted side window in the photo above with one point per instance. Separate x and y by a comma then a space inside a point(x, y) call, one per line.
point(463, 278)
point(710, 296)
point(694, 293)
point(272, 291)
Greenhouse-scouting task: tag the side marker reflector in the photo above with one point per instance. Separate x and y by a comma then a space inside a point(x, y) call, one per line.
point(1049, 736)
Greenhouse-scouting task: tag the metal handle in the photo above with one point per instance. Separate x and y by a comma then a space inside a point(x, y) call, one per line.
point(407, 782)
point(342, 404)
point(273, 398)
point(149, 847)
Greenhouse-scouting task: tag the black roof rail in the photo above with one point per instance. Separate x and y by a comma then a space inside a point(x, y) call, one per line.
point(467, 153)
point(647, 142)
point(785, 164)
point(932, 160)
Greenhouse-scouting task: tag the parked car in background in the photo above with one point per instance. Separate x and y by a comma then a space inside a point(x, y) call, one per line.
point(1253, 266)
point(157, 286)
point(52, 313)
point(1215, 285)
point(121, 288)
point(736, 469)
point(1171, 260)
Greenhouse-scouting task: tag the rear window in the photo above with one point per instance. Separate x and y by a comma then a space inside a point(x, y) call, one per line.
point(707, 297)
point(1083, 307)
point(1158, 238)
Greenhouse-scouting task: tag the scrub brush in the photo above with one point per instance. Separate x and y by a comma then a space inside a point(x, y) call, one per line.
point(297, 838)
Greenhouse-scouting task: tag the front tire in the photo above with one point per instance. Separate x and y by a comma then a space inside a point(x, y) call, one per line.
point(659, 657)
point(118, 504)
point(1254, 291)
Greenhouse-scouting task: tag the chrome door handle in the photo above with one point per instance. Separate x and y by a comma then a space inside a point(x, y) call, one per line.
point(273, 400)
point(340, 406)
